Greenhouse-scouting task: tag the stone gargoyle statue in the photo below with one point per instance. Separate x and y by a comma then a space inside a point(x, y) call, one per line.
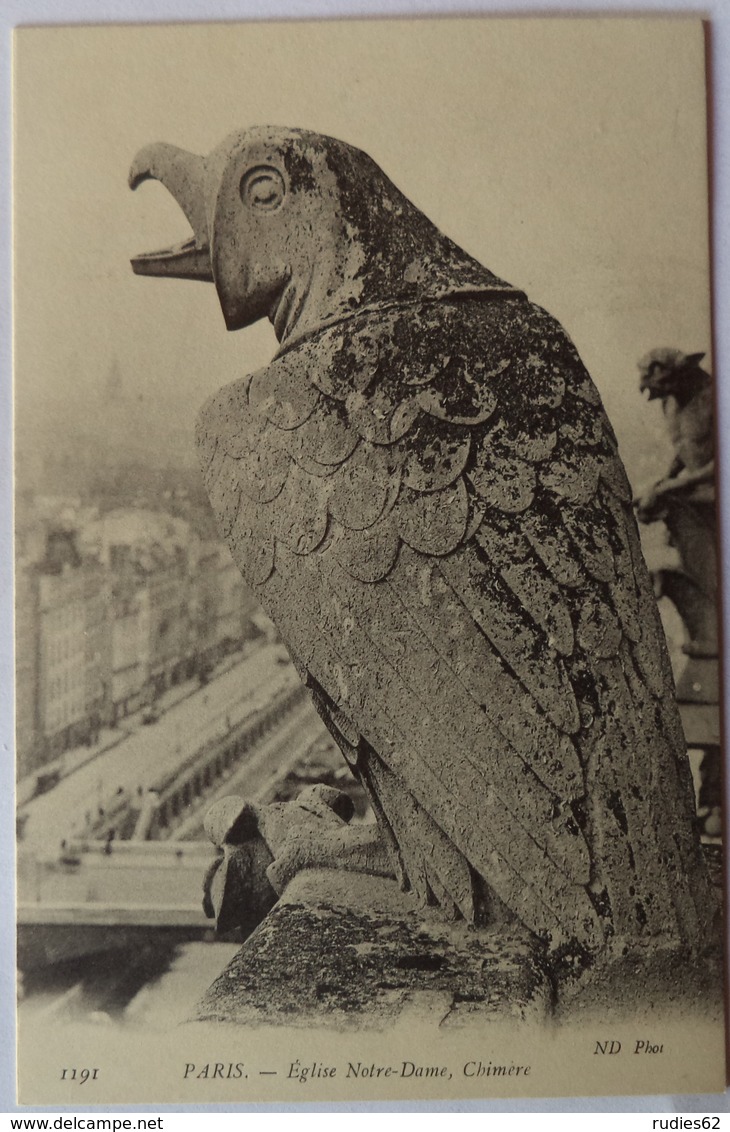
point(426, 496)
point(684, 501)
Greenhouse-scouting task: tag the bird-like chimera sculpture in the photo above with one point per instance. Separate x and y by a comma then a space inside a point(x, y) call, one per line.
point(425, 494)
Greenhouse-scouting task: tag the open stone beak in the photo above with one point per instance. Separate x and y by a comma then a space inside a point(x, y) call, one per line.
point(183, 175)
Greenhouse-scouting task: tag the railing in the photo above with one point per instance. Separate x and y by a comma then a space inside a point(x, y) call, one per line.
point(176, 791)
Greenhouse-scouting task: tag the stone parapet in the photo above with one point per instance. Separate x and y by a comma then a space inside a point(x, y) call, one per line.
point(349, 950)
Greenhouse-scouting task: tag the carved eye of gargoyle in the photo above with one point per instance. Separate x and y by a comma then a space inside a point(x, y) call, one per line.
point(263, 188)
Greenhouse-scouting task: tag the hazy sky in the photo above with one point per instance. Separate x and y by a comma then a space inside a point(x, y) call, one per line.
point(566, 155)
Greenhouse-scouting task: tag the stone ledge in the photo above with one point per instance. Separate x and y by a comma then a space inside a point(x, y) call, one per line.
point(348, 950)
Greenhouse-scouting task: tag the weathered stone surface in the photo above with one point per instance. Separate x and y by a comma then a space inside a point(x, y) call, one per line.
point(426, 495)
point(351, 951)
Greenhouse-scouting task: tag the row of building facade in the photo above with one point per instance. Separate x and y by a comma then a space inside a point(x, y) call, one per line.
point(111, 610)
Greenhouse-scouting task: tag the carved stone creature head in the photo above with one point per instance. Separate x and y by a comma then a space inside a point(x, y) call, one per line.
point(300, 228)
point(666, 371)
point(237, 891)
point(258, 845)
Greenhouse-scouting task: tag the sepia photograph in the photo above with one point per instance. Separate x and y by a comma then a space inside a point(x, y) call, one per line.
point(367, 686)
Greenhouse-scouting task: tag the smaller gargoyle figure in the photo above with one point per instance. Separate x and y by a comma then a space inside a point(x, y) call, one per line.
point(261, 848)
point(687, 399)
point(684, 499)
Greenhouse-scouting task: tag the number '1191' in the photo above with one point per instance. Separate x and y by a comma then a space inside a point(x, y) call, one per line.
point(80, 1075)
